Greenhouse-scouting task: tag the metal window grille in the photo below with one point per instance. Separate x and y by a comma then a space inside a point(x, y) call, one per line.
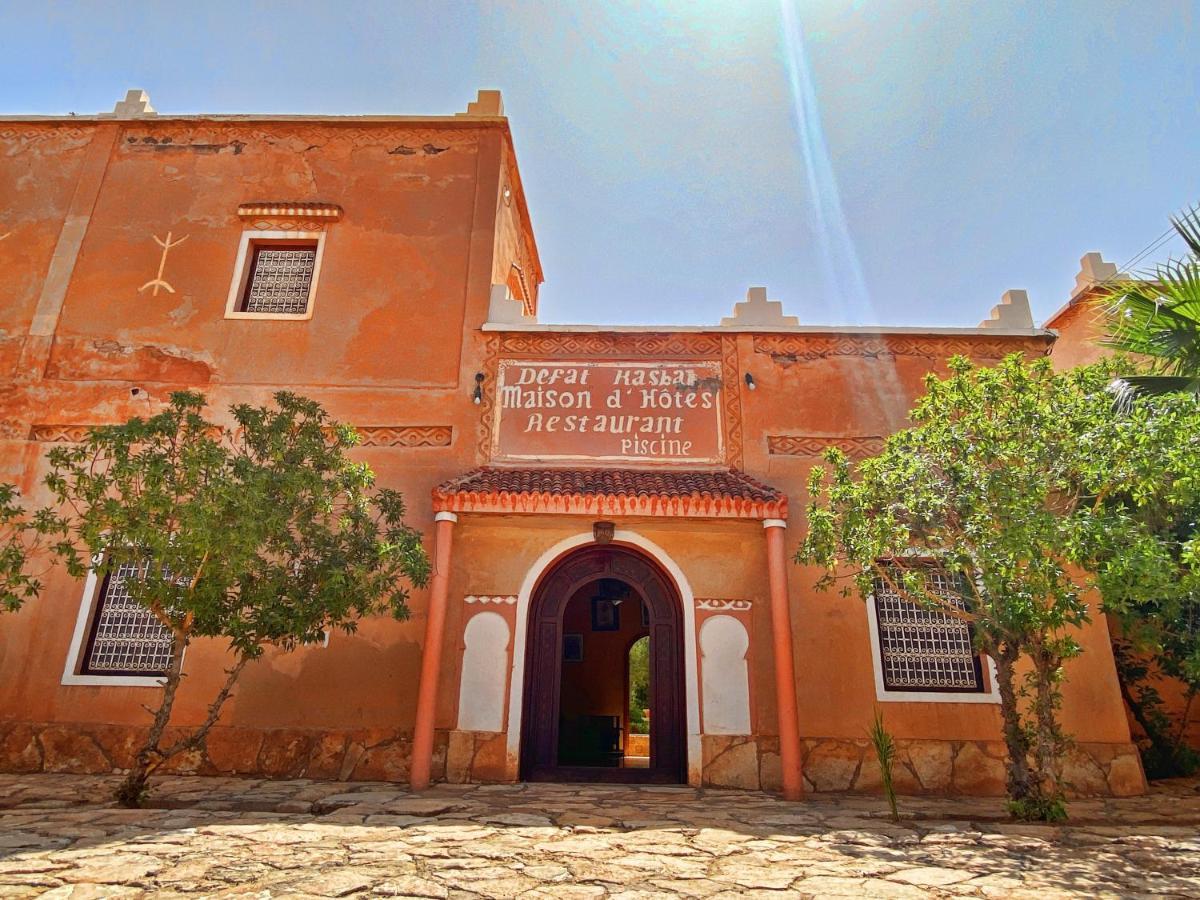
point(126, 638)
point(922, 648)
point(280, 280)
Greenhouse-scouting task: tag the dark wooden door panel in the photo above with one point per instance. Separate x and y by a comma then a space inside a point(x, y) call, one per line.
point(543, 670)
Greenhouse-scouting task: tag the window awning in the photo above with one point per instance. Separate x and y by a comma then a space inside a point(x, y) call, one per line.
point(720, 494)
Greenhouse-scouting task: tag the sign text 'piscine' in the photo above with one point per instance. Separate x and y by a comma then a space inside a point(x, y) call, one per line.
point(616, 411)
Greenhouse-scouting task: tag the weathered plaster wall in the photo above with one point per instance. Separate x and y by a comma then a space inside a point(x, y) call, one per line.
point(401, 289)
point(1080, 329)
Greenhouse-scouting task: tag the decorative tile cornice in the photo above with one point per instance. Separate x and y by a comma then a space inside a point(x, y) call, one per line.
point(328, 211)
point(506, 600)
point(815, 445)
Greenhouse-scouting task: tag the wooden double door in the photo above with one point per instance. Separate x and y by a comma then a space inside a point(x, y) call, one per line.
point(542, 718)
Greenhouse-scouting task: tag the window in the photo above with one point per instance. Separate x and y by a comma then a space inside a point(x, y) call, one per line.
point(280, 279)
point(117, 641)
point(126, 638)
point(276, 275)
point(921, 649)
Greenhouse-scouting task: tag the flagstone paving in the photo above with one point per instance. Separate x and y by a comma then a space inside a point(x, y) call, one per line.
point(60, 836)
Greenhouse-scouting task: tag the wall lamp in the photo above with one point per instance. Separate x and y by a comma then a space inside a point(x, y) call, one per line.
point(750, 382)
point(477, 394)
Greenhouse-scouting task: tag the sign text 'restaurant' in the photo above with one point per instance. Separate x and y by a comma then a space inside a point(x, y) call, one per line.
point(608, 411)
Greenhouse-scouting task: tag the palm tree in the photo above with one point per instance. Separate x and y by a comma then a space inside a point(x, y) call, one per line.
point(1158, 318)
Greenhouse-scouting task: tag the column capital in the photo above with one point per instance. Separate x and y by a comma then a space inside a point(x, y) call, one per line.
point(445, 517)
point(774, 523)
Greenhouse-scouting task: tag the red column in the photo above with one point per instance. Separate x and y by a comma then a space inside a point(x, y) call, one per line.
point(431, 657)
point(785, 667)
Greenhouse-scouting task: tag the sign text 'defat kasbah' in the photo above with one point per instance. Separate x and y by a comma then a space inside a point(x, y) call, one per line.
point(608, 411)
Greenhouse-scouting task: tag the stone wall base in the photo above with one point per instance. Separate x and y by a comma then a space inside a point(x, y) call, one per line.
point(748, 762)
point(90, 748)
point(479, 757)
point(966, 768)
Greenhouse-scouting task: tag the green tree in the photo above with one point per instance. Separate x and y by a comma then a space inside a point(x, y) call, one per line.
point(20, 536)
point(1002, 479)
point(264, 535)
point(1158, 318)
point(1152, 588)
point(639, 685)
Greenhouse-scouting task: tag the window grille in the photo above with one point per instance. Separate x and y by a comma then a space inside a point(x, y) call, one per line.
point(923, 648)
point(126, 637)
point(280, 280)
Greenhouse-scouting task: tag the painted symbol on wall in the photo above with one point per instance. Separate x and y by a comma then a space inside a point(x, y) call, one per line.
point(157, 281)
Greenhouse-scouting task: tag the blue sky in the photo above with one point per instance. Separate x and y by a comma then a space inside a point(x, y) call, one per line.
point(893, 161)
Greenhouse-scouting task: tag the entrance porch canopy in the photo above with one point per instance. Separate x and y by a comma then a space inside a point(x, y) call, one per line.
point(710, 494)
point(676, 493)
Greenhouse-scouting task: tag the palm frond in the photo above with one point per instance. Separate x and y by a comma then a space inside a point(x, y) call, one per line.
point(1187, 225)
point(1128, 390)
point(1158, 317)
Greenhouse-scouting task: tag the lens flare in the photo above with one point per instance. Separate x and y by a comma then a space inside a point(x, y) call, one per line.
point(846, 289)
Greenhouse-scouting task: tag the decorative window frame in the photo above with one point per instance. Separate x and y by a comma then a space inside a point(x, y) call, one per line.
point(991, 694)
point(87, 611)
point(241, 272)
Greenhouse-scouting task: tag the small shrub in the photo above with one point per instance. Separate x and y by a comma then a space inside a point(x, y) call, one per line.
point(1039, 808)
point(885, 752)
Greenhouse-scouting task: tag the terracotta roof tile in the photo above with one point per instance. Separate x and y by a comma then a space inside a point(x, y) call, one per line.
point(655, 492)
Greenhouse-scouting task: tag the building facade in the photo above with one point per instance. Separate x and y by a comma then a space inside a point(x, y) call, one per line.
point(582, 489)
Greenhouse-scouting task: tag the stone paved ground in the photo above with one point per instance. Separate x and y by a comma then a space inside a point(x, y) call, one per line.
point(61, 837)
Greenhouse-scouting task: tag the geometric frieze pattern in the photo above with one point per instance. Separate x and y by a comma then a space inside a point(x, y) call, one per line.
point(370, 435)
point(287, 225)
point(491, 599)
point(796, 347)
point(567, 344)
point(60, 434)
point(38, 133)
point(816, 445)
point(404, 435)
point(720, 605)
point(731, 376)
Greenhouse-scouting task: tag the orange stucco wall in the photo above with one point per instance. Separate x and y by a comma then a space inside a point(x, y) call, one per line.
point(433, 216)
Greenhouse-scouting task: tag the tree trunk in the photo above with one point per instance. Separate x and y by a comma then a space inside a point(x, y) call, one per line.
point(1049, 743)
point(1183, 722)
point(1018, 784)
point(132, 791)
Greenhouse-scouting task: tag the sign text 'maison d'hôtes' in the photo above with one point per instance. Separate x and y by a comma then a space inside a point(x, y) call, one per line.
point(609, 410)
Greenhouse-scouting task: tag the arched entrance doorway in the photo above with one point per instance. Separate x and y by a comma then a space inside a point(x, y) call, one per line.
point(585, 612)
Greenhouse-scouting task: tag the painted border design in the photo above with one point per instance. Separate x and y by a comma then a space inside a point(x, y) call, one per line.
point(404, 435)
point(60, 434)
point(816, 444)
point(791, 348)
point(506, 600)
point(715, 604)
